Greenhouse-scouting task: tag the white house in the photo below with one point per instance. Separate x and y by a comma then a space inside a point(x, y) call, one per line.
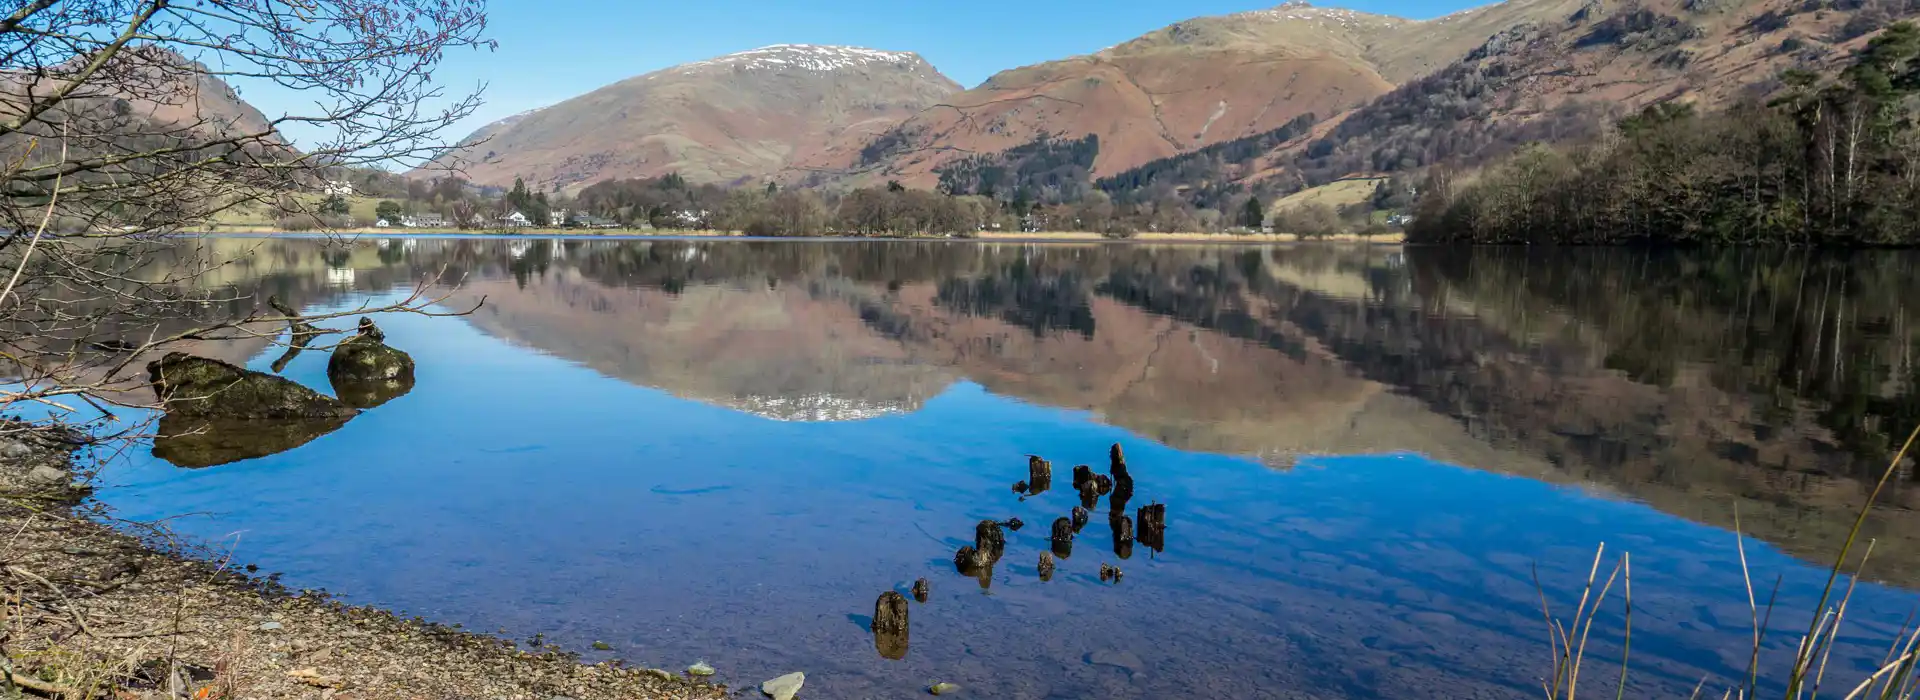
point(515, 220)
point(339, 187)
point(383, 223)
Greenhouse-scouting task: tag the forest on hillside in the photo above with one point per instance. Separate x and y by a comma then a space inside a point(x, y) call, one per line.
point(1826, 162)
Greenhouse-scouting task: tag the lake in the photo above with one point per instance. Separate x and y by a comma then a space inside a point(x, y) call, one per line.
point(687, 450)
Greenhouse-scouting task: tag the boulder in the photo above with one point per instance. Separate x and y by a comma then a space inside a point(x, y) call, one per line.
point(199, 387)
point(366, 358)
point(921, 589)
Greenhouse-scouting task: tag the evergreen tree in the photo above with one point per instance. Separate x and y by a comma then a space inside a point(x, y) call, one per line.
point(1253, 214)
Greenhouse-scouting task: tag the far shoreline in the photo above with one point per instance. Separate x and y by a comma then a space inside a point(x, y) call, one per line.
point(1395, 238)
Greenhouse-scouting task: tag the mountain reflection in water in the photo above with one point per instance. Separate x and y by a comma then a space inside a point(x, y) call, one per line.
point(1696, 384)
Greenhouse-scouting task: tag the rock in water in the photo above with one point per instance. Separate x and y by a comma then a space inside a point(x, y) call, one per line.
point(943, 689)
point(784, 687)
point(1046, 566)
point(1014, 524)
point(1082, 475)
point(890, 625)
point(1103, 484)
point(1111, 573)
point(1039, 474)
point(365, 358)
point(1019, 487)
point(199, 387)
point(700, 668)
point(920, 590)
point(1079, 519)
point(368, 330)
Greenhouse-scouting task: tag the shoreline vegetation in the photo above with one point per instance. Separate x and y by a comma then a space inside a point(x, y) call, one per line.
point(985, 236)
point(1823, 163)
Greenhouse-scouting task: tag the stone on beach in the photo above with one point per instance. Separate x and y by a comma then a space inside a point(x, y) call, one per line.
point(784, 687)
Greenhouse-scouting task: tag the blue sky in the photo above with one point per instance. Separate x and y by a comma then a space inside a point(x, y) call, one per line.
point(551, 50)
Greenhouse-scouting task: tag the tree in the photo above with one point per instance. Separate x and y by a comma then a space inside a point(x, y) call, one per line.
point(388, 209)
point(110, 135)
point(1253, 215)
point(334, 205)
point(895, 186)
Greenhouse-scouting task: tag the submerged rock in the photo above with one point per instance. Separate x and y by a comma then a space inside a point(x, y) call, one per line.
point(195, 443)
point(1046, 566)
point(1111, 573)
point(943, 689)
point(199, 387)
point(784, 687)
point(921, 589)
point(369, 394)
point(700, 668)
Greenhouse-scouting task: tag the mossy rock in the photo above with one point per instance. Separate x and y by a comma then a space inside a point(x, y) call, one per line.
point(199, 387)
point(364, 359)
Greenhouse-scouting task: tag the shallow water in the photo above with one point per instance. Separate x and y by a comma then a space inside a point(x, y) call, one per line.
point(727, 450)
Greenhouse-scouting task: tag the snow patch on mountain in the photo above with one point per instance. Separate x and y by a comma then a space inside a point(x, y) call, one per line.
point(807, 57)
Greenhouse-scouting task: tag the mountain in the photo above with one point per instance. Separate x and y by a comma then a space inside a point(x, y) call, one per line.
point(155, 92)
point(749, 115)
point(1558, 72)
point(1189, 85)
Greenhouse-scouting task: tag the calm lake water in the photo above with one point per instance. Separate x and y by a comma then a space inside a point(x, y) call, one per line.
point(726, 450)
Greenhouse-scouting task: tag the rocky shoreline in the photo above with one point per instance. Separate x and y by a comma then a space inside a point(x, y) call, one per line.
point(92, 611)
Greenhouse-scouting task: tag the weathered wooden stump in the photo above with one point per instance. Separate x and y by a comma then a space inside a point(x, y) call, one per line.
point(1079, 519)
point(1046, 566)
point(989, 541)
point(890, 612)
point(1039, 474)
point(921, 589)
point(1153, 526)
point(1082, 475)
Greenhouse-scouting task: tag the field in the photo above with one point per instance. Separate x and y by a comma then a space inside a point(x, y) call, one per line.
point(1333, 194)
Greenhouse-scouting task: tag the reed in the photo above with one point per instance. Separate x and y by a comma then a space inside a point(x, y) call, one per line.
point(1894, 679)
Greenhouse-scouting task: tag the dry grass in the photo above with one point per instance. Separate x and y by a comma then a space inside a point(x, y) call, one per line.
point(1894, 679)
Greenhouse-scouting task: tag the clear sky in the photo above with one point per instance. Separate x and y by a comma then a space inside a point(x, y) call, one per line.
point(551, 50)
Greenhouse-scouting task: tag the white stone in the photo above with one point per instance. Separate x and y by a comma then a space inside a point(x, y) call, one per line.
point(784, 687)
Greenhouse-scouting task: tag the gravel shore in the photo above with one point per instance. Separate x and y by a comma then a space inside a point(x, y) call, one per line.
point(93, 611)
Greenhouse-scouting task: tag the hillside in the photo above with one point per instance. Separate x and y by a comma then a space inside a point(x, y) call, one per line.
point(1569, 77)
point(1204, 82)
point(749, 115)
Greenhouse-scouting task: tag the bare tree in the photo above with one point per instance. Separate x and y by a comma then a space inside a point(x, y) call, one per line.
point(119, 129)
